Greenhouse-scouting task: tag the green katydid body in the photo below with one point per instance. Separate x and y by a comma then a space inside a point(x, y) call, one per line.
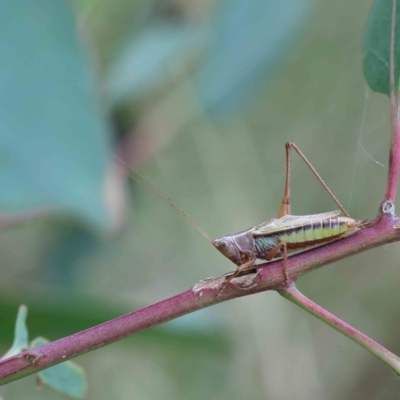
point(279, 236)
point(297, 231)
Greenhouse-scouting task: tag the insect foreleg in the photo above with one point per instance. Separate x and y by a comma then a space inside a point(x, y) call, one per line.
point(273, 253)
point(239, 270)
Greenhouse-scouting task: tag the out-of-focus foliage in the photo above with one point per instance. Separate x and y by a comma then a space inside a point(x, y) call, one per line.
point(228, 174)
point(242, 42)
point(250, 38)
point(53, 141)
point(66, 377)
point(147, 61)
point(377, 46)
point(21, 336)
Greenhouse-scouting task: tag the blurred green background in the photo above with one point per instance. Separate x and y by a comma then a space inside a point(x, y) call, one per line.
point(201, 97)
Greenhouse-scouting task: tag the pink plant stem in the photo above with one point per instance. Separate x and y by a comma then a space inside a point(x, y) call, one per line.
point(394, 157)
point(270, 276)
point(387, 357)
point(394, 152)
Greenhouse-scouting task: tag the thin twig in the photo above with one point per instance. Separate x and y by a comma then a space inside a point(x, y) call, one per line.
point(386, 356)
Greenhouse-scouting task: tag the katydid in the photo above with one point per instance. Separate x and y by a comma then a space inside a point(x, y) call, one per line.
point(276, 237)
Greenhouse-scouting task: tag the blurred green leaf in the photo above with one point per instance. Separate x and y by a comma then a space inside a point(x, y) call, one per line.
point(21, 334)
point(72, 245)
point(377, 46)
point(60, 311)
point(251, 38)
point(67, 377)
point(149, 57)
point(53, 136)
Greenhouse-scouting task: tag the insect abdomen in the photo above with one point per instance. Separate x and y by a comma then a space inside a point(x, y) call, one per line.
point(318, 230)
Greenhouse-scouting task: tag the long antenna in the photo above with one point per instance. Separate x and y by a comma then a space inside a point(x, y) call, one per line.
point(139, 178)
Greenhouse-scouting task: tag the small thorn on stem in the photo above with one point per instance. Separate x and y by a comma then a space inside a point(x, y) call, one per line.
point(388, 207)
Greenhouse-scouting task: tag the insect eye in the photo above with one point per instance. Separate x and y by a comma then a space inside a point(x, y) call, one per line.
point(223, 245)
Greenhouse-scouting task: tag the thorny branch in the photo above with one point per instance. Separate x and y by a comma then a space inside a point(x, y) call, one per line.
point(269, 276)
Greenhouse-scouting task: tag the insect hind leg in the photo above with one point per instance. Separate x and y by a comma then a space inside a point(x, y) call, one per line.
point(285, 206)
point(274, 252)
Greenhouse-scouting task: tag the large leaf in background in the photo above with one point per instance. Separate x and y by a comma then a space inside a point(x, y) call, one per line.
point(150, 56)
point(53, 136)
point(251, 38)
point(377, 46)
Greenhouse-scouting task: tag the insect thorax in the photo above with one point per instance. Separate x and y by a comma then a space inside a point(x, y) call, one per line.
point(264, 245)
